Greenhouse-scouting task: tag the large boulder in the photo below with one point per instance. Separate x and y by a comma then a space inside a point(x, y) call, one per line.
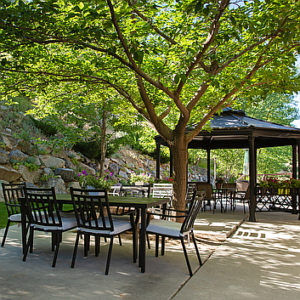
point(61, 154)
point(73, 184)
point(17, 156)
point(4, 157)
point(58, 183)
point(7, 141)
point(87, 168)
point(73, 154)
point(36, 160)
point(66, 174)
point(30, 176)
point(52, 162)
point(69, 164)
point(27, 147)
point(9, 174)
point(114, 168)
point(48, 172)
point(123, 174)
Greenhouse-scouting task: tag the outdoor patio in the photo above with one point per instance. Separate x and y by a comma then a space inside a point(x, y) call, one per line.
point(260, 260)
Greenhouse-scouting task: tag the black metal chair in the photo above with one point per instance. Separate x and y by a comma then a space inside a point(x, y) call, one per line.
point(191, 188)
point(210, 199)
point(94, 218)
point(44, 215)
point(229, 195)
point(243, 197)
point(165, 228)
point(11, 193)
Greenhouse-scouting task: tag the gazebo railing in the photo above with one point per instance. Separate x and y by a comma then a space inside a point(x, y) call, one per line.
point(268, 199)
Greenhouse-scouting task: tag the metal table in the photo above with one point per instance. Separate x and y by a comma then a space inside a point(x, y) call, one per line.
point(140, 203)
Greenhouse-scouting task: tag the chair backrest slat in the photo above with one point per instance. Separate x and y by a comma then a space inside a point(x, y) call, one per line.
point(207, 187)
point(11, 193)
point(42, 207)
point(92, 209)
point(194, 208)
point(162, 190)
point(191, 187)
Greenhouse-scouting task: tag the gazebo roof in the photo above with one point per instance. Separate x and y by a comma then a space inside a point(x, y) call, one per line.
point(232, 129)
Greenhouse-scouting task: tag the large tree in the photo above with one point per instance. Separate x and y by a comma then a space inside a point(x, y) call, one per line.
point(175, 62)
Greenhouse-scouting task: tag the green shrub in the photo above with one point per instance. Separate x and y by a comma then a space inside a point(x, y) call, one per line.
point(74, 161)
point(45, 126)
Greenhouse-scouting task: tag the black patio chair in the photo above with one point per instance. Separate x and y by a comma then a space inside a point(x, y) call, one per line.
point(165, 228)
point(243, 197)
point(11, 193)
point(229, 195)
point(94, 218)
point(209, 197)
point(44, 215)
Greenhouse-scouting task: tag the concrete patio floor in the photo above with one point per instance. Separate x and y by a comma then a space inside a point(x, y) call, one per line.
point(259, 261)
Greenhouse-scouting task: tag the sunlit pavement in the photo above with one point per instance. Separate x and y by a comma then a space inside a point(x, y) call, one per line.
point(260, 260)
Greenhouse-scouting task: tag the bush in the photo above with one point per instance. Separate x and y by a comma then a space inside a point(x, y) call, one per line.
point(46, 128)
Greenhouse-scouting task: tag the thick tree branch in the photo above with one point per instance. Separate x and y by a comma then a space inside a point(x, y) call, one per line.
point(160, 126)
point(202, 89)
point(129, 64)
point(214, 28)
point(155, 28)
point(120, 35)
point(208, 116)
point(165, 113)
point(272, 37)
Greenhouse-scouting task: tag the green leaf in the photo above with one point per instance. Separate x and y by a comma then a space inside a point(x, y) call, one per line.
point(177, 78)
point(81, 5)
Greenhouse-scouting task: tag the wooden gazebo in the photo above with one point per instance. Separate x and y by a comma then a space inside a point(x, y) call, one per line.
point(232, 130)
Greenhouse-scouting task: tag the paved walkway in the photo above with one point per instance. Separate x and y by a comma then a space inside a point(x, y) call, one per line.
point(260, 261)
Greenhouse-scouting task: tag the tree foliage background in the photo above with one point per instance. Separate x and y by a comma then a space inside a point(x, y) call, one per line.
point(176, 63)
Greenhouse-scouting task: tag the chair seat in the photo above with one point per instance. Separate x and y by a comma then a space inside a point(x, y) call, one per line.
point(15, 218)
point(164, 227)
point(119, 227)
point(68, 222)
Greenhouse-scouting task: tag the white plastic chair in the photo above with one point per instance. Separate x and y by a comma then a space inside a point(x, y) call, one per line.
point(163, 190)
point(115, 190)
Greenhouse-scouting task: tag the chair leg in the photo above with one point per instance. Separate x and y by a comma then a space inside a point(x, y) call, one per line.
point(86, 244)
point(148, 241)
point(196, 248)
point(53, 241)
point(120, 241)
point(109, 255)
point(5, 233)
point(29, 242)
point(75, 250)
point(156, 244)
point(162, 245)
point(58, 239)
point(134, 243)
point(186, 257)
point(97, 245)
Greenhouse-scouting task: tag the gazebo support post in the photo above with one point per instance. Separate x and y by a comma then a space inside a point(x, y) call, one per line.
point(208, 165)
point(298, 160)
point(298, 197)
point(252, 172)
point(294, 172)
point(157, 160)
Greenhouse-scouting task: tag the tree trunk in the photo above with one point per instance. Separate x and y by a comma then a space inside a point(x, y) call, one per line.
point(180, 159)
point(103, 140)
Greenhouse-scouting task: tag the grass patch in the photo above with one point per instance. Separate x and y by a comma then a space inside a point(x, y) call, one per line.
point(3, 215)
